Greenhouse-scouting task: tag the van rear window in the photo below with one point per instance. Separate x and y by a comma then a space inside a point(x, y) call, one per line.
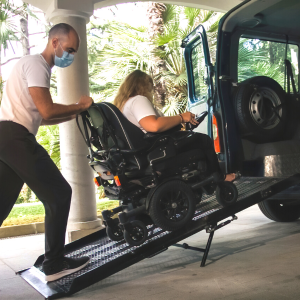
point(266, 58)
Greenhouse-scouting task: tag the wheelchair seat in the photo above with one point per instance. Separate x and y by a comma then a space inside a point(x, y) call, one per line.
point(116, 132)
point(111, 131)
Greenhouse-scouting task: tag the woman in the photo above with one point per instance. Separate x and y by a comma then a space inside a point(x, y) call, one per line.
point(134, 99)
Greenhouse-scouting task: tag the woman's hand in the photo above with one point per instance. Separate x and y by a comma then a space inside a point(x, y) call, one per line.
point(189, 117)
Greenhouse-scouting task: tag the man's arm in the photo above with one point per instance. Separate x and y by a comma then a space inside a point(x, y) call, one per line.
point(49, 110)
point(57, 120)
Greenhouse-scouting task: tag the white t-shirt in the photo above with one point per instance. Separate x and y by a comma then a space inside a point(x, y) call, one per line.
point(17, 104)
point(139, 107)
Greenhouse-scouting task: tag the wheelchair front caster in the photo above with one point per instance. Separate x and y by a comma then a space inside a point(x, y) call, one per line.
point(114, 233)
point(226, 193)
point(136, 234)
point(172, 205)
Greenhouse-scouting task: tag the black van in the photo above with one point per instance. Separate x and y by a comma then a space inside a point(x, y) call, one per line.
point(252, 94)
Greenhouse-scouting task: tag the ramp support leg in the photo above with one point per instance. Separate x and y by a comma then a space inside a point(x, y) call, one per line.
point(211, 230)
point(210, 238)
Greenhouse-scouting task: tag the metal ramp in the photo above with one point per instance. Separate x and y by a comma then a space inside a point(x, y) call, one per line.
point(108, 257)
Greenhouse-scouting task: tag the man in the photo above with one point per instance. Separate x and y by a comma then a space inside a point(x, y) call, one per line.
point(26, 105)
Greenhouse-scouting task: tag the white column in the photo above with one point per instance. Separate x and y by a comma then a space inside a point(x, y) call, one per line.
point(72, 82)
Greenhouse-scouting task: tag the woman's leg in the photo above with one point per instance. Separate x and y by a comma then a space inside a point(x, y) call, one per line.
point(209, 150)
point(205, 144)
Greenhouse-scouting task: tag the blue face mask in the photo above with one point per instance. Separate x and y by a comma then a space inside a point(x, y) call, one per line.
point(65, 60)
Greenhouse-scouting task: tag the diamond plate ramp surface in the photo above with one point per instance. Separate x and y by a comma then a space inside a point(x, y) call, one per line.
point(108, 257)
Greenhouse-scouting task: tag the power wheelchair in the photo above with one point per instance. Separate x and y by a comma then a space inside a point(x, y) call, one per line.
point(154, 177)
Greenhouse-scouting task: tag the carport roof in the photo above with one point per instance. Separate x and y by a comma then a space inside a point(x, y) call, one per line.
point(85, 8)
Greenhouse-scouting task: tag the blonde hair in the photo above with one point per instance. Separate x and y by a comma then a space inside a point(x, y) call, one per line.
point(136, 83)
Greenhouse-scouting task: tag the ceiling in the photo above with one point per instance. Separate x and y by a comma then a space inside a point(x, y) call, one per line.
point(46, 5)
point(273, 16)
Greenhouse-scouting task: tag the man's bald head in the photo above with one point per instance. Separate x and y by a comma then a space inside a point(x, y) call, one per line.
point(61, 30)
point(63, 37)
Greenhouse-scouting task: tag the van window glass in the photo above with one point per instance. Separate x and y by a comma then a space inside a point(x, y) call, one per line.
point(199, 73)
point(266, 58)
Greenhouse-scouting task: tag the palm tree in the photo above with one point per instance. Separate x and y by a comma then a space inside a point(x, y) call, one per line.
point(7, 31)
point(156, 13)
point(114, 53)
point(122, 48)
point(24, 29)
point(179, 23)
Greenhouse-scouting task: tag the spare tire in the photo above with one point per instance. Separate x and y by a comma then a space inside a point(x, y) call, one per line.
point(260, 109)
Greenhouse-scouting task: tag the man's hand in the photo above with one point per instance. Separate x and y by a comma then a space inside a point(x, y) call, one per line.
point(85, 102)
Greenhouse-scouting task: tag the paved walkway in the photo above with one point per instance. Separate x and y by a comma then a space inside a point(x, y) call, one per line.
point(252, 258)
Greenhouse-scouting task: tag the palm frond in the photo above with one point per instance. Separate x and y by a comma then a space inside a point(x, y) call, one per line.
point(191, 15)
point(205, 15)
point(116, 49)
point(7, 28)
point(48, 137)
point(169, 34)
point(170, 14)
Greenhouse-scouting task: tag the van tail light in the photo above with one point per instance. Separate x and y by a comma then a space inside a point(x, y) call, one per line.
point(117, 181)
point(96, 180)
point(216, 135)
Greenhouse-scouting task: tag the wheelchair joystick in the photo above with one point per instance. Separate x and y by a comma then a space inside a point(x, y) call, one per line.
point(200, 118)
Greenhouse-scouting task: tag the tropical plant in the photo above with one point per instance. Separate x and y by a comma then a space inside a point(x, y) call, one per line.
point(263, 58)
point(156, 13)
point(179, 22)
point(24, 29)
point(114, 52)
point(7, 31)
point(124, 48)
point(8, 27)
point(48, 137)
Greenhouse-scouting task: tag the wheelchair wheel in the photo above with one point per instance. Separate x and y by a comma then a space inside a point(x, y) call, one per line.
point(114, 233)
point(226, 193)
point(137, 235)
point(172, 205)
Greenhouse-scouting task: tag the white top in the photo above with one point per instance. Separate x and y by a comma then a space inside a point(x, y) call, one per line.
point(139, 107)
point(17, 104)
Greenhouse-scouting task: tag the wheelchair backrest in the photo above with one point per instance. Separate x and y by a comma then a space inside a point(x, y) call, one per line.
point(115, 131)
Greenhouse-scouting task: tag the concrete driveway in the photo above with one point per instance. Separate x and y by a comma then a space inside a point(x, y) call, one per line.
point(252, 258)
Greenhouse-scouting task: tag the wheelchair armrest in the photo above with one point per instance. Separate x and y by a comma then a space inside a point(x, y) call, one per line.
point(132, 151)
point(150, 135)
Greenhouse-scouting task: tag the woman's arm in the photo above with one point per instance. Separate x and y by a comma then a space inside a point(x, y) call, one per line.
point(57, 120)
point(160, 124)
